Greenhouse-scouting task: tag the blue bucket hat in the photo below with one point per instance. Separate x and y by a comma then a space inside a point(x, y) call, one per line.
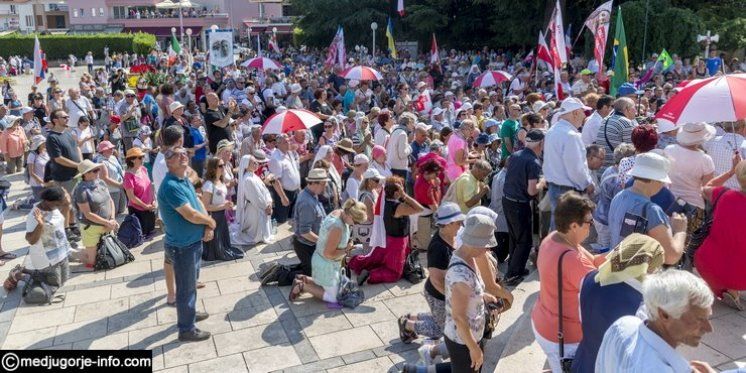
point(627, 89)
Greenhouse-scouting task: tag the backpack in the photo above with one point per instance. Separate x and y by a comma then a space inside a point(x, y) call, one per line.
point(413, 270)
point(130, 232)
point(111, 253)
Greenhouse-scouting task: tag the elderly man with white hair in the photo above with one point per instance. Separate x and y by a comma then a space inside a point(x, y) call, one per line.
point(565, 165)
point(678, 306)
point(617, 128)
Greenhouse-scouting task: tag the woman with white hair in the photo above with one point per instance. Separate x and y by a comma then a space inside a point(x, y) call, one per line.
point(253, 205)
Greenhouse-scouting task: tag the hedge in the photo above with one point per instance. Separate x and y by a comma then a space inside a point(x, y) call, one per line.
point(59, 47)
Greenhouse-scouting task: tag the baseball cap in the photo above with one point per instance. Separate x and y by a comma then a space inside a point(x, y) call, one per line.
point(535, 135)
point(571, 104)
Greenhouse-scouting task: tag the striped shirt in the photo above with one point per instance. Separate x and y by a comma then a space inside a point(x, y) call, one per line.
point(615, 130)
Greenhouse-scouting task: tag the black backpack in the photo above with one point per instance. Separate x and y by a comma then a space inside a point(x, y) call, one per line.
point(111, 253)
point(413, 270)
point(130, 232)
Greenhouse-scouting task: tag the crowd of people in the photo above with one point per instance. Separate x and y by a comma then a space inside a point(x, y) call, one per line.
point(421, 161)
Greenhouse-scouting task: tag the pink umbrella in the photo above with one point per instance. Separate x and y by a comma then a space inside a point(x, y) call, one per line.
point(717, 99)
point(289, 120)
point(262, 63)
point(361, 73)
point(491, 78)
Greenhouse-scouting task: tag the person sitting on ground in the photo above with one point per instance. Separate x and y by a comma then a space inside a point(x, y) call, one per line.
point(678, 306)
point(332, 246)
point(613, 291)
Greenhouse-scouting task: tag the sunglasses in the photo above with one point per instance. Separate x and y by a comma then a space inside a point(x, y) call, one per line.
point(221, 165)
point(95, 171)
point(140, 157)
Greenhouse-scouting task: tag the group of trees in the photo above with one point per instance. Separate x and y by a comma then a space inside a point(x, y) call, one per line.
point(471, 24)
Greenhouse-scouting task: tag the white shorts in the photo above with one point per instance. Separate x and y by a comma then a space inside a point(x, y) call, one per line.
point(551, 349)
point(330, 293)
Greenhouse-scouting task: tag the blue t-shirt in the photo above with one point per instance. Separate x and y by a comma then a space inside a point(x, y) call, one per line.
point(174, 193)
point(713, 65)
point(664, 198)
point(628, 201)
point(198, 139)
point(522, 167)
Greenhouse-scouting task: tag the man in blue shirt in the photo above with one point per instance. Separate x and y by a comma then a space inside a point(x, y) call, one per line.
point(523, 171)
point(714, 63)
point(186, 225)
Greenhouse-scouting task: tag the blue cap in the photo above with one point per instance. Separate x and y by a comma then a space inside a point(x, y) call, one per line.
point(627, 89)
point(494, 137)
point(483, 139)
point(491, 123)
point(456, 124)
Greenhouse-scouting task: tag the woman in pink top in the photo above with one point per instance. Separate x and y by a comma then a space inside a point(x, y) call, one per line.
point(458, 150)
point(139, 191)
point(574, 218)
point(13, 145)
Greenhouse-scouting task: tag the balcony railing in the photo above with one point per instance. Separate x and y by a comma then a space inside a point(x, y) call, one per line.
point(168, 16)
point(56, 8)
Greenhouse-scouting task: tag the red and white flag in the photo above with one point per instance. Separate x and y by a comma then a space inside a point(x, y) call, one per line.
point(434, 56)
point(337, 53)
point(542, 51)
point(38, 68)
point(598, 24)
point(424, 104)
point(557, 48)
point(400, 8)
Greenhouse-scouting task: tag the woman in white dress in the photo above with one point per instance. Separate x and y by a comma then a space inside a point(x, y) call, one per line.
point(254, 205)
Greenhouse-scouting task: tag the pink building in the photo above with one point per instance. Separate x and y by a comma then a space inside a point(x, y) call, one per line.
point(142, 15)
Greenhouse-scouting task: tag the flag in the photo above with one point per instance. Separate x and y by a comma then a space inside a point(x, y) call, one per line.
point(598, 24)
point(434, 56)
point(665, 60)
point(621, 56)
point(38, 68)
point(390, 37)
point(568, 39)
point(424, 104)
point(175, 46)
point(400, 8)
point(557, 49)
point(273, 43)
point(542, 51)
point(337, 53)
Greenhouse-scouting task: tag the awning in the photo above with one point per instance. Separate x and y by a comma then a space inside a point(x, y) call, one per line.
point(162, 31)
point(266, 28)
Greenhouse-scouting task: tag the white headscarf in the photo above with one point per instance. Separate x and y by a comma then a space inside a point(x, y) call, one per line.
point(242, 165)
point(321, 153)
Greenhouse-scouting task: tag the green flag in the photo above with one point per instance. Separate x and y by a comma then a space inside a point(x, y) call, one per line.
point(175, 46)
point(665, 60)
point(621, 56)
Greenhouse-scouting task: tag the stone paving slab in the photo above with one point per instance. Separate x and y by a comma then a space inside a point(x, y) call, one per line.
point(256, 329)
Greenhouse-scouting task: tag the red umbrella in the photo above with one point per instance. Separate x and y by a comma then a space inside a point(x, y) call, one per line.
point(491, 78)
point(262, 63)
point(361, 73)
point(717, 99)
point(289, 120)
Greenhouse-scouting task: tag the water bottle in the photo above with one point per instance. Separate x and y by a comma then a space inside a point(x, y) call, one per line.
point(274, 227)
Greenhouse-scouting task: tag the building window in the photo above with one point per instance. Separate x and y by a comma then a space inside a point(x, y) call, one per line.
point(82, 12)
point(12, 9)
point(75, 13)
point(101, 12)
point(29, 21)
point(93, 12)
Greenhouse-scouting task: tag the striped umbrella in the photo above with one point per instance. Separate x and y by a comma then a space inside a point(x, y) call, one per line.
point(491, 78)
point(289, 120)
point(361, 73)
point(262, 63)
point(717, 99)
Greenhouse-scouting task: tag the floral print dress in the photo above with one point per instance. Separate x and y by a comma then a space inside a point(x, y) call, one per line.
point(460, 271)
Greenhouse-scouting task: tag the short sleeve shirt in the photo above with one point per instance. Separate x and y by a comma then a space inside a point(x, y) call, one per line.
point(52, 247)
point(523, 166)
point(62, 145)
point(174, 193)
point(507, 131)
point(307, 215)
point(628, 201)
point(439, 254)
point(215, 133)
point(96, 195)
point(460, 272)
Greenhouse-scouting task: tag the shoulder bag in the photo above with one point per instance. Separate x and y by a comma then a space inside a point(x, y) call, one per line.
point(111, 253)
point(699, 235)
point(565, 363)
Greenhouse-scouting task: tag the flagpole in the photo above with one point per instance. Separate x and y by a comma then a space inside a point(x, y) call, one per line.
point(645, 37)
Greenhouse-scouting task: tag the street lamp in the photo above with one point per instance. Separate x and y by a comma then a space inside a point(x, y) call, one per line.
point(189, 36)
point(374, 27)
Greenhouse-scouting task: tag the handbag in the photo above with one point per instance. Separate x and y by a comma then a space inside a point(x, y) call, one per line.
point(413, 270)
point(565, 363)
point(111, 253)
point(700, 234)
point(349, 295)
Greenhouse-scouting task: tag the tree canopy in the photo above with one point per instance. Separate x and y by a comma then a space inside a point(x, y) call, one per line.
point(471, 24)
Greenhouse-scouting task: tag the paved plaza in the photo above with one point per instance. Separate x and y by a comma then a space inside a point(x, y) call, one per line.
point(256, 329)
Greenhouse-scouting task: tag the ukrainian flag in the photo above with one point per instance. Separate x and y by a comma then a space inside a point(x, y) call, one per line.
point(390, 37)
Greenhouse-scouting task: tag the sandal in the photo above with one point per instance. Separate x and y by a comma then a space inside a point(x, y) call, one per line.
point(297, 285)
point(8, 256)
point(406, 336)
point(731, 301)
point(200, 285)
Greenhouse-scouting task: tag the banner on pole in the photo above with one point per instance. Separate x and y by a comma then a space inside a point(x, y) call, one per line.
point(220, 46)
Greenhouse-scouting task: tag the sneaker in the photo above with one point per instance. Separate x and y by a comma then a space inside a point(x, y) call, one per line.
point(426, 356)
point(195, 335)
point(271, 274)
point(200, 316)
point(514, 281)
point(362, 277)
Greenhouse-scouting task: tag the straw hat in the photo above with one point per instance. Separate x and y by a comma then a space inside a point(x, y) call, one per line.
point(346, 145)
point(260, 156)
point(37, 141)
point(176, 105)
point(87, 166)
point(224, 144)
point(316, 175)
point(134, 153)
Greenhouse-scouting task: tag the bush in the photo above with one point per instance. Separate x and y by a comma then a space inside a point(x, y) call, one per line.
point(60, 46)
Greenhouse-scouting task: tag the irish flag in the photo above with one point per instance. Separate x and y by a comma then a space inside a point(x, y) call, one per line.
point(38, 68)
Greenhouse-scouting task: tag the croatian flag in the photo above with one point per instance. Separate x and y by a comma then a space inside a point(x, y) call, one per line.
point(38, 68)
